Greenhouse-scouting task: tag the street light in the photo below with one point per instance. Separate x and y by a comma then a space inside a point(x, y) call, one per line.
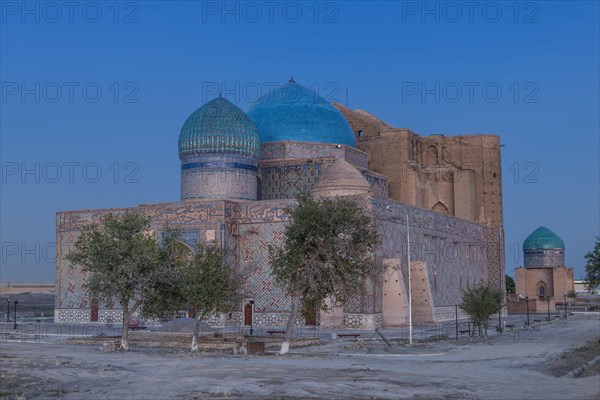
point(251, 302)
point(410, 327)
point(15, 316)
point(8, 310)
point(565, 296)
point(548, 300)
point(527, 300)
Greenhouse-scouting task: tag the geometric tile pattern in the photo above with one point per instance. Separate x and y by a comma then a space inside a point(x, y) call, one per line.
point(287, 181)
point(378, 183)
point(494, 250)
point(302, 150)
point(254, 270)
point(457, 252)
point(206, 183)
point(454, 250)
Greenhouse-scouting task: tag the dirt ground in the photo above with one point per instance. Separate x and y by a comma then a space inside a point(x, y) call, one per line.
point(528, 365)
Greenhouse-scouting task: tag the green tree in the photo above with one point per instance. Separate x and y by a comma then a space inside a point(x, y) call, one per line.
point(328, 252)
point(510, 284)
point(163, 294)
point(592, 267)
point(480, 302)
point(122, 259)
point(207, 285)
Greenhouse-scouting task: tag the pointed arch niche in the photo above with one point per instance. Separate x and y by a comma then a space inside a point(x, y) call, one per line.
point(440, 207)
point(431, 157)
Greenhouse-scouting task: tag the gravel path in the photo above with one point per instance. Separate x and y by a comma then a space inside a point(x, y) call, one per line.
point(507, 367)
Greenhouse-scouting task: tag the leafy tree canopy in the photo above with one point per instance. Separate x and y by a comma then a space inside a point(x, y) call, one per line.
point(592, 267)
point(206, 282)
point(328, 250)
point(481, 302)
point(123, 261)
point(510, 284)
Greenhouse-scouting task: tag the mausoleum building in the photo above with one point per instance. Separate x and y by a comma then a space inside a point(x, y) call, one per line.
point(240, 171)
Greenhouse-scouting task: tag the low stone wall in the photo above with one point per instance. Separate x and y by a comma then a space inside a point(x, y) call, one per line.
point(105, 316)
point(447, 313)
point(362, 321)
point(517, 305)
point(82, 315)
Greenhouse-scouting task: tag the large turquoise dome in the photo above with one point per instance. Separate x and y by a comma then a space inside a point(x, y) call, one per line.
point(219, 127)
point(295, 113)
point(543, 238)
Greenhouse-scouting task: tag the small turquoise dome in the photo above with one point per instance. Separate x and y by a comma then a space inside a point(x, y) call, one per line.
point(295, 113)
point(543, 238)
point(219, 127)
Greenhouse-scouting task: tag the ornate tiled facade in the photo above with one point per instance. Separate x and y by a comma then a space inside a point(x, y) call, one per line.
point(457, 252)
point(235, 183)
point(288, 180)
point(306, 151)
point(235, 192)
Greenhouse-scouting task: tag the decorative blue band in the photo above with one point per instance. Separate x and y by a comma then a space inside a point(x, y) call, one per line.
point(218, 165)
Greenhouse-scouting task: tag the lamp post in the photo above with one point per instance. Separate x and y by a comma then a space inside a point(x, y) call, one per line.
point(565, 296)
point(410, 327)
point(500, 277)
point(251, 302)
point(527, 301)
point(15, 316)
point(7, 310)
point(548, 300)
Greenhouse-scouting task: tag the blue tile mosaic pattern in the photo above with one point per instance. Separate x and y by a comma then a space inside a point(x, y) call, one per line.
point(219, 127)
point(296, 113)
point(219, 150)
point(543, 238)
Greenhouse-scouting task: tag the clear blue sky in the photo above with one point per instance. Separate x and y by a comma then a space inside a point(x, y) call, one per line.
point(93, 97)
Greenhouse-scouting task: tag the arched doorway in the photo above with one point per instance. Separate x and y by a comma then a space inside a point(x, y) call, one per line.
point(94, 311)
point(248, 309)
point(310, 314)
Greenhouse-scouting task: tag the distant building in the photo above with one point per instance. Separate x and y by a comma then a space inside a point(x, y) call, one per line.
point(239, 172)
point(581, 286)
point(544, 280)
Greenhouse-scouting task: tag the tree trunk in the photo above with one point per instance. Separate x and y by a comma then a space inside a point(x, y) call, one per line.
point(195, 335)
point(125, 331)
point(285, 346)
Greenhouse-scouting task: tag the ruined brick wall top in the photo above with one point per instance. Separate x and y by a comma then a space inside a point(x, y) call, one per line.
point(412, 164)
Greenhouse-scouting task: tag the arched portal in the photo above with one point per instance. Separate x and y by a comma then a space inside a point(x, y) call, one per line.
point(440, 207)
point(431, 158)
point(541, 289)
point(248, 309)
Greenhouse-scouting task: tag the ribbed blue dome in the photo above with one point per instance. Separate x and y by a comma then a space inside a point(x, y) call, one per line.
point(296, 113)
point(543, 238)
point(219, 127)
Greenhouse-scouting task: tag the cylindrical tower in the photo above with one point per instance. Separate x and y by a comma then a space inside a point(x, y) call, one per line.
point(543, 249)
point(219, 149)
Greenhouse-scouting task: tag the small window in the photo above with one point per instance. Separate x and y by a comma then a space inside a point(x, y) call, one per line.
point(360, 134)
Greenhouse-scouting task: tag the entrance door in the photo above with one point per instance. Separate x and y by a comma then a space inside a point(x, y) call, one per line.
point(248, 314)
point(94, 313)
point(310, 316)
